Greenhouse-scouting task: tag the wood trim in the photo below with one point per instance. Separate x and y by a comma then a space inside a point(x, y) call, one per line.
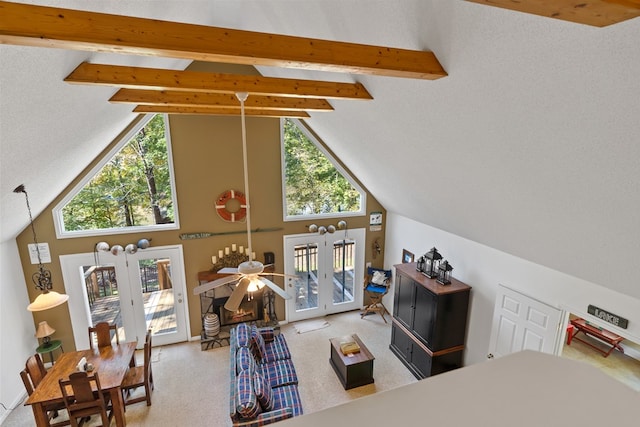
point(598, 13)
point(220, 100)
point(215, 111)
point(197, 81)
point(42, 26)
point(422, 345)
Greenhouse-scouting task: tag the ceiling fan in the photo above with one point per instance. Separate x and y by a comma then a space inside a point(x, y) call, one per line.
point(250, 274)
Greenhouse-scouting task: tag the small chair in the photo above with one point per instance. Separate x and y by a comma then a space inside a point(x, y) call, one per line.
point(84, 397)
point(31, 375)
point(139, 376)
point(376, 285)
point(102, 331)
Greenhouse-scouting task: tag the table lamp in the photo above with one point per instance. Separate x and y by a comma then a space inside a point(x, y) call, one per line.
point(44, 331)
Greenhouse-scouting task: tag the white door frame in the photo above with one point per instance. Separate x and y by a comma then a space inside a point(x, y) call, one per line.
point(325, 302)
point(133, 320)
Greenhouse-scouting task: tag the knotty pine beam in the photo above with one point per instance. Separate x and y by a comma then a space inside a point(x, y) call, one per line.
point(197, 81)
point(218, 111)
point(598, 13)
point(43, 26)
point(186, 99)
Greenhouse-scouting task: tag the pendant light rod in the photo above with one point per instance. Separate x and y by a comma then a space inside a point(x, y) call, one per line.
point(242, 97)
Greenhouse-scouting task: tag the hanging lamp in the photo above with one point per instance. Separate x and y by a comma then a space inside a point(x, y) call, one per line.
point(41, 278)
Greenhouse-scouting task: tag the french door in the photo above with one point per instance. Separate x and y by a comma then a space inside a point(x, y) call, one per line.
point(139, 291)
point(329, 270)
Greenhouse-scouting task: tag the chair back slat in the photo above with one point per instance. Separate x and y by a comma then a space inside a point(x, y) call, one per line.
point(102, 332)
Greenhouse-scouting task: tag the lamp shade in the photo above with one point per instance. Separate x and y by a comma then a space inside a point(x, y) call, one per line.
point(47, 300)
point(44, 330)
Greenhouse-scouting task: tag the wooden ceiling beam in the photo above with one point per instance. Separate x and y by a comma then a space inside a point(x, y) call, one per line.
point(598, 13)
point(218, 111)
point(197, 81)
point(44, 26)
point(220, 100)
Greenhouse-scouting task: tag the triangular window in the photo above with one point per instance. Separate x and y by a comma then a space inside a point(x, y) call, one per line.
point(131, 189)
point(315, 185)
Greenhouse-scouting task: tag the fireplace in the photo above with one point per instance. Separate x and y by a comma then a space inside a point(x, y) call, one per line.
point(250, 310)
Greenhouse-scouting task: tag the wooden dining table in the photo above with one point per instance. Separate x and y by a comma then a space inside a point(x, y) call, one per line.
point(110, 362)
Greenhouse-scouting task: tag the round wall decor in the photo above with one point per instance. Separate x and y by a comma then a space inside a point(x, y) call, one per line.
point(229, 213)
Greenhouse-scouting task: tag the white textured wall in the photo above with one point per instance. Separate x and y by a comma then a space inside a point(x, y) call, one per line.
point(17, 341)
point(485, 268)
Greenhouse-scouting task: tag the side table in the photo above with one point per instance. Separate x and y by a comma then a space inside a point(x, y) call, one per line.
point(50, 347)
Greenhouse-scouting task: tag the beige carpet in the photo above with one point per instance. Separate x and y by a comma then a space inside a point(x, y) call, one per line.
point(192, 386)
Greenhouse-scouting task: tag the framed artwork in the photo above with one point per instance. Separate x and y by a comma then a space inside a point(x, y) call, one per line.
point(406, 256)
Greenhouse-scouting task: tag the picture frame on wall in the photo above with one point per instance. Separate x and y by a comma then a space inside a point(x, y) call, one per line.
point(407, 256)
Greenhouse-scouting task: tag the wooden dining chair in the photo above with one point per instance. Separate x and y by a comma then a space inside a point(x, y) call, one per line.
point(84, 397)
point(31, 375)
point(139, 376)
point(102, 332)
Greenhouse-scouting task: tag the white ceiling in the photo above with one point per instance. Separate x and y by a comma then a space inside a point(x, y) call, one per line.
point(531, 145)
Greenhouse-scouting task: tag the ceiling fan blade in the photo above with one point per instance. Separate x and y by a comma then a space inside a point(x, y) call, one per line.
point(289, 276)
point(234, 301)
point(275, 288)
point(215, 283)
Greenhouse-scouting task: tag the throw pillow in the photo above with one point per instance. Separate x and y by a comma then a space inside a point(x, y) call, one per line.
point(379, 277)
point(263, 391)
point(245, 360)
point(243, 332)
point(247, 404)
point(257, 344)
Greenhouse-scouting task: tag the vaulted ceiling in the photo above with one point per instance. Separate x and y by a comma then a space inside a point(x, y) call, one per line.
point(526, 139)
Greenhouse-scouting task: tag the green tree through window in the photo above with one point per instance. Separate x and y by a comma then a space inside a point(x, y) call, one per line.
point(132, 189)
point(313, 185)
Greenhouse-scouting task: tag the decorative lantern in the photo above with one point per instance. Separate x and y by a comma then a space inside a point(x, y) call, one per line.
point(444, 273)
point(432, 260)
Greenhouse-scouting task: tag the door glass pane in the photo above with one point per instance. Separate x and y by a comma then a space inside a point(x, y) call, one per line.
point(103, 297)
point(158, 295)
point(343, 271)
point(306, 268)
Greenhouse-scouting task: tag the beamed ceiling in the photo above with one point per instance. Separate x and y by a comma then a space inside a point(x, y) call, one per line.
point(511, 124)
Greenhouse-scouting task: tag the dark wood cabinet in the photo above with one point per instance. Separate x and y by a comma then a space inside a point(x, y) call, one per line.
point(429, 322)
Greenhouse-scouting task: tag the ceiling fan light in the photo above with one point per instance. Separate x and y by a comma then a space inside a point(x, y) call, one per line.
point(251, 267)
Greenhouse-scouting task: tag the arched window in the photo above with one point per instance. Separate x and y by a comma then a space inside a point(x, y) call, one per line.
point(314, 184)
point(131, 189)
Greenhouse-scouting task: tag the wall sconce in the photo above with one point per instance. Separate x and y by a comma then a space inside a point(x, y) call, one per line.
point(131, 248)
point(42, 278)
point(313, 228)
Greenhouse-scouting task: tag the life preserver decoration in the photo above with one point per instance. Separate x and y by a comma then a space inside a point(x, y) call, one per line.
point(223, 210)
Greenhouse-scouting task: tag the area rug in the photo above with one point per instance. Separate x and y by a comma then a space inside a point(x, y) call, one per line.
point(310, 325)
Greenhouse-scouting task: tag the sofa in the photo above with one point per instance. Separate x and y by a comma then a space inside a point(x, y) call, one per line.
point(263, 381)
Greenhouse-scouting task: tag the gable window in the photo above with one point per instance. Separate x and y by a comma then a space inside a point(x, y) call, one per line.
point(315, 185)
point(130, 190)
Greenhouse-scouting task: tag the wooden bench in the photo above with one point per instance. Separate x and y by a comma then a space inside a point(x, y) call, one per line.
point(608, 337)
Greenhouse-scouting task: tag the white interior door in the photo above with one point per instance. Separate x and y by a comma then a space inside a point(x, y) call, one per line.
point(523, 323)
point(329, 270)
point(134, 291)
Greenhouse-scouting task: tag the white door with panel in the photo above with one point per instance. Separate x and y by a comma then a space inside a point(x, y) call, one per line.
point(329, 270)
point(139, 291)
point(523, 323)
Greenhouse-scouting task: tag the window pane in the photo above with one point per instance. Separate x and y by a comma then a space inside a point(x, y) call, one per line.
point(132, 189)
point(313, 185)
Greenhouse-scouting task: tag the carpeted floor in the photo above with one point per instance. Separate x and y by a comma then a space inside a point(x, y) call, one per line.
point(192, 386)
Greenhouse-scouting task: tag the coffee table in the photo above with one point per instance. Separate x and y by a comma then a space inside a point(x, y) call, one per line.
point(353, 370)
